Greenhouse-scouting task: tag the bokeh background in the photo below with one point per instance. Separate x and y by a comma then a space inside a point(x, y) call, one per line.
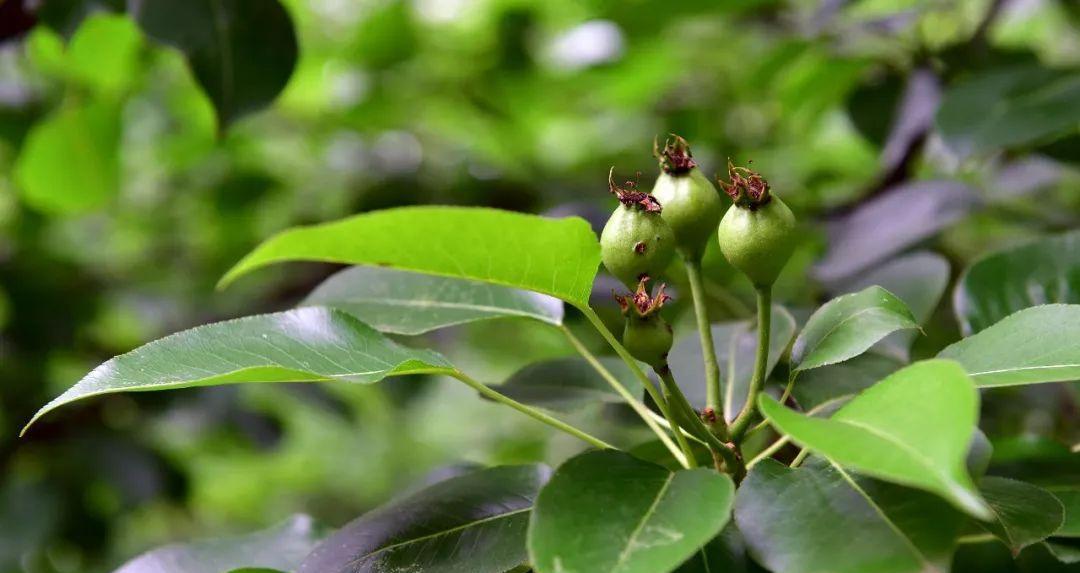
point(887, 125)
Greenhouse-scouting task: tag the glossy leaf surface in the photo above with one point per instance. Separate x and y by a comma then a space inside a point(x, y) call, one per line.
point(829, 520)
point(912, 428)
point(608, 512)
point(403, 302)
point(1038, 272)
point(1035, 345)
point(242, 52)
point(847, 326)
point(558, 257)
point(304, 345)
point(278, 548)
point(1024, 514)
point(474, 523)
point(569, 384)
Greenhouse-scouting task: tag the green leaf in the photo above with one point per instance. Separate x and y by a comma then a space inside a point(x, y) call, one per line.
point(69, 162)
point(1069, 496)
point(734, 344)
point(912, 428)
point(569, 384)
point(1035, 345)
point(820, 385)
point(410, 303)
point(103, 53)
point(1042, 271)
point(242, 52)
point(475, 523)
point(558, 257)
point(847, 326)
point(819, 518)
point(304, 345)
point(1009, 107)
point(608, 512)
point(919, 279)
point(1024, 514)
point(278, 548)
point(726, 553)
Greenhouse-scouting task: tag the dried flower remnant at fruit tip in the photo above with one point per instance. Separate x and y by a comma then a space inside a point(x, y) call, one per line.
point(675, 158)
point(747, 188)
point(641, 301)
point(629, 195)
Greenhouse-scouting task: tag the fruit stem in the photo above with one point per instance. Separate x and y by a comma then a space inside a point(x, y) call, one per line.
point(529, 411)
point(619, 349)
point(761, 360)
point(708, 350)
point(630, 399)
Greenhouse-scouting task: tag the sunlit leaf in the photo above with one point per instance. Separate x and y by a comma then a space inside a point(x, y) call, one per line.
point(1035, 345)
point(278, 548)
point(849, 325)
point(608, 512)
point(1038, 272)
point(912, 428)
point(304, 345)
point(411, 303)
point(474, 522)
point(558, 257)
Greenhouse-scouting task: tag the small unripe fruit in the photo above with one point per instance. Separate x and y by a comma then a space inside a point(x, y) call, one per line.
point(757, 234)
point(636, 242)
point(646, 335)
point(692, 205)
point(648, 339)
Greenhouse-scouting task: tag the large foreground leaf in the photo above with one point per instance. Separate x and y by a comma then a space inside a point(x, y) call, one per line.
point(847, 326)
point(1043, 271)
point(241, 51)
point(558, 257)
point(609, 512)
point(403, 302)
point(819, 518)
point(474, 523)
point(309, 344)
point(569, 384)
point(1039, 344)
point(1024, 514)
point(912, 428)
point(278, 548)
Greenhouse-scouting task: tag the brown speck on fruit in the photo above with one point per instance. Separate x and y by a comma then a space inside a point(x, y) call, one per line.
point(675, 157)
point(629, 195)
point(640, 247)
point(747, 188)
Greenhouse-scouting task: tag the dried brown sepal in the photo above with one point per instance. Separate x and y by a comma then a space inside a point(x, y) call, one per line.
point(675, 158)
point(640, 301)
point(747, 188)
point(629, 195)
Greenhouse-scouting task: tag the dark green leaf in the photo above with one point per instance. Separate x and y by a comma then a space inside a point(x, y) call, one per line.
point(820, 385)
point(1039, 272)
point(304, 345)
point(608, 512)
point(558, 257)
point(912, 428)
point(569, 384)
point(1023, 513)
point(242, 52)
point(278, 548)
point(847, 326)
point(819, 518)
point(726, 553)
point(474, 523)
point(402, 302)
point(1069, 496)
point(1009, 107)
point(69, 162)
point(1039, 344)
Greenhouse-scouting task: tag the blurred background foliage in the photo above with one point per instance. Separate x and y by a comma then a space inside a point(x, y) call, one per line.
point(127, 189)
